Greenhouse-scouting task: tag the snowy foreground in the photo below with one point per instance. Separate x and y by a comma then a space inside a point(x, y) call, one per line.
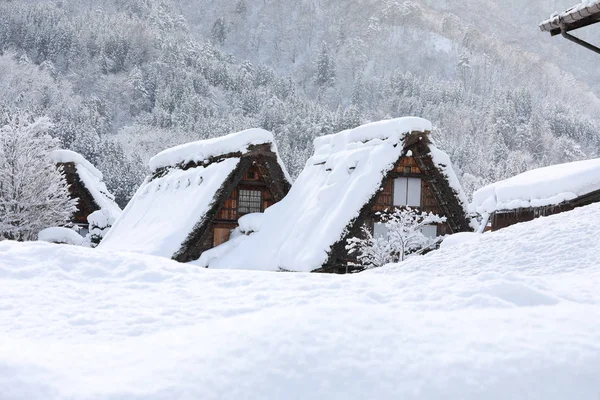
point(513, 315)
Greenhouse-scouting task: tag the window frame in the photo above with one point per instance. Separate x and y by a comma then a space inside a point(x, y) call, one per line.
point(407, 194)
point(248, 204)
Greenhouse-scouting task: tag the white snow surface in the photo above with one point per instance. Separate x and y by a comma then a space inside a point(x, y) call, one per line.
point(205, 149)
point(515, 315)
point(459, 238)
point(342, 176)
point(164, 211)
point(539, 187)
point(59, 234)
point(91, 178)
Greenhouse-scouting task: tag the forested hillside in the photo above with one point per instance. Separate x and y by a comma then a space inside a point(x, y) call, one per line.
point(122, 80)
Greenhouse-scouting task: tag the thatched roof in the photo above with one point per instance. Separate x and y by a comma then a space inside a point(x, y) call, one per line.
point(579, 16)
point(341, 178)
point(187, 187)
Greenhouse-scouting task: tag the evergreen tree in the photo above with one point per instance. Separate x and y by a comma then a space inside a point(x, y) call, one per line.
point(219, 31)
point(325, 76)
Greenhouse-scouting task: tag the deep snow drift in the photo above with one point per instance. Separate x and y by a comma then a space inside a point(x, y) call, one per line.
point(513, 315)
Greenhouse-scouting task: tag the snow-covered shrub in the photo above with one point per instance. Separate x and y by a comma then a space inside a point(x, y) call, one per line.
point(33, 193)
point(99, 222)
point(403, 236)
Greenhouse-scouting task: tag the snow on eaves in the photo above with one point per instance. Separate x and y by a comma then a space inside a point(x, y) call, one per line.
point(539, 187)
point(583, 10)
point(345, 172)
point(68, 156)
point(165, 210)
point(91, 178)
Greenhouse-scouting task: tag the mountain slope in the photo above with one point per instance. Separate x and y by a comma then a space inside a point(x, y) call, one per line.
point(126, 79)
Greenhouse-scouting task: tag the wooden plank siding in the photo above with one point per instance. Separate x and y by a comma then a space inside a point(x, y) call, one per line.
point(407, 167)
point(229, 214)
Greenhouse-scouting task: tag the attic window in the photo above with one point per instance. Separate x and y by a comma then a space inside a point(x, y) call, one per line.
point(249, 201)
point(407, 192)
point(251, 175)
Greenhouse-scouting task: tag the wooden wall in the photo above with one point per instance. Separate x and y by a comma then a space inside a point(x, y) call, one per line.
point(228, 215)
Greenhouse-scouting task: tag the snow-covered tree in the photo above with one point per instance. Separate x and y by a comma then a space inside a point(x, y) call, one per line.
point(219, 31)
point(33, 193)
point(325, 67)
point(403, 236)
point(100, 222)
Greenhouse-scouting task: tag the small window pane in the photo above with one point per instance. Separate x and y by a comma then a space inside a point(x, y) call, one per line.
point(250, 201)
point(400, 191)
point(414, 192)
point(379, 230)
point(430, 231)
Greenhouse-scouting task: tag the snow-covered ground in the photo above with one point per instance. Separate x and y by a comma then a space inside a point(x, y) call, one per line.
point(513, 315)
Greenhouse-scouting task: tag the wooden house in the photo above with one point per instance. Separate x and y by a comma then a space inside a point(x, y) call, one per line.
point(584, 14)
point(86, 186)
point(196, 194)
point(352, 176)
point(538, 193)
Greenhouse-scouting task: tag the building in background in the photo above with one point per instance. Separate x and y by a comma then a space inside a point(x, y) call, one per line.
point(86, 185)
point(539, 192)
point(584, 14)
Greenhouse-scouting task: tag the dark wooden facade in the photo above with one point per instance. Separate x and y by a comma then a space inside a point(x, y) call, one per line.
point(256, 184)
point(505, 218)
point(437, 196)
point(85, 202)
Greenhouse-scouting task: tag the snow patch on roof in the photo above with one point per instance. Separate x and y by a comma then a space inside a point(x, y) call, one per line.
point(165, 210)
point(345, 172)
point(539, 187)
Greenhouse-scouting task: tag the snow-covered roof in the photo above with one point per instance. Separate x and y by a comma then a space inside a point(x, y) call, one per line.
point(539, 187)
point(345, 172)
point(172, 203)
point(91, 178)
point(573, 17)
point(165, 210)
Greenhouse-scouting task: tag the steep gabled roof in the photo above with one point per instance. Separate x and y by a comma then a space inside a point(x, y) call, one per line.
point(344, 174)
point(91, 179)
point(179, 197)
point(579, 16)
point(540, 187)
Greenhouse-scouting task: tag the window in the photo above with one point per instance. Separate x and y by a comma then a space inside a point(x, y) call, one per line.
point(407, 192)
point(249, 201)
point(379, 230)
point(430, 231)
